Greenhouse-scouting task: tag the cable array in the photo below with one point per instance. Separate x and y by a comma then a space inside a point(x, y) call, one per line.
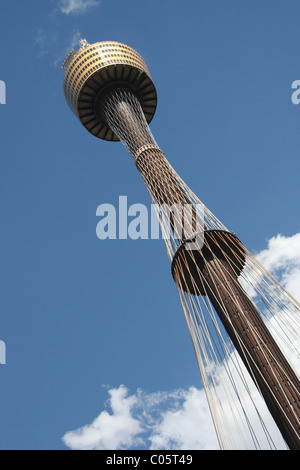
point(227, 297)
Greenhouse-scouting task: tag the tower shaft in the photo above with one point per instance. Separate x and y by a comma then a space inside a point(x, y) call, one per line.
point(272, 374)
point(264, 360)
point(109, 88)
point(262, 357)
point(121, 110)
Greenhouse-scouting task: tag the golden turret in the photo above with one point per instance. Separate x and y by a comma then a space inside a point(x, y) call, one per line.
point(94, 69)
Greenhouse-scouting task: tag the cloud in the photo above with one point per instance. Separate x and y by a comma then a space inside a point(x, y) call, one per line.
point(181, 419)
point(76, 36)
point(73, 43)
point(41, 41)
point(150, 420)
point(49, 44)
point(187, 425)
point(177, 420)
point(109, 431)
point(282, 259)
point(77, 6)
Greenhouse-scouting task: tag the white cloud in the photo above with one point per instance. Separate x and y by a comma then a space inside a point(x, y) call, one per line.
point(149, 420)
point(109, 431)
point(42, 42)
point(75, 40)
point(185, 426)
point(282, 259)
point(77, 6)
point(51, 40)
point(181, 419)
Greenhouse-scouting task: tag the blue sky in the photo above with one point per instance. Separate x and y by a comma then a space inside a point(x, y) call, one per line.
point(81, 317)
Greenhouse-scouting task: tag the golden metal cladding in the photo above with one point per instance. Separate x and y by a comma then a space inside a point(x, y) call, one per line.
point(94, 68)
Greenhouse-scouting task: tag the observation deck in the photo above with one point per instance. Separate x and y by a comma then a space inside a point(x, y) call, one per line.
point(94, 69)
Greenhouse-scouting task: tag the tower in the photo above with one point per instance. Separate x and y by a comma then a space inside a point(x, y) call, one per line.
point(109, 88)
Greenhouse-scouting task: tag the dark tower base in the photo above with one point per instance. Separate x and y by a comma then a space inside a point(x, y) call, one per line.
point(213, 271)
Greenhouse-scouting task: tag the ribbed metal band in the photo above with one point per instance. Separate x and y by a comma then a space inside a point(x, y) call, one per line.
point(142, 149)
